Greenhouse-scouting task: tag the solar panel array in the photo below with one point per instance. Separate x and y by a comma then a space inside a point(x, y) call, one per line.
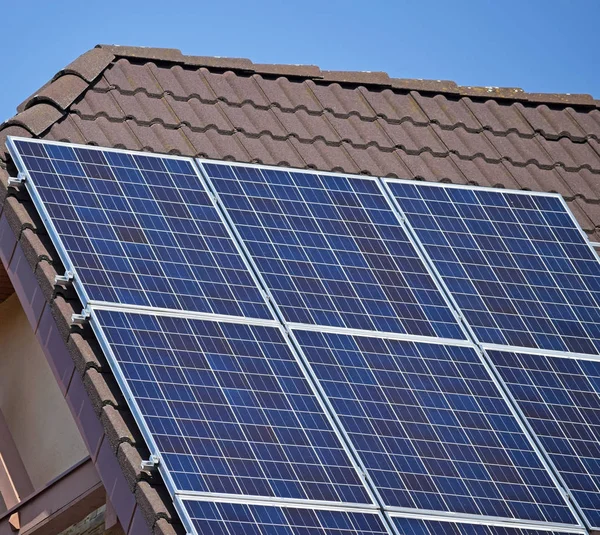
point(337, 345)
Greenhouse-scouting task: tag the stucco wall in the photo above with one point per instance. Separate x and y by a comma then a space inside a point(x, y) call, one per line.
point(33, 406)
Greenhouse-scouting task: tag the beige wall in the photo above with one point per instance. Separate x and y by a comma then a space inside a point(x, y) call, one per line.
point(33, 406)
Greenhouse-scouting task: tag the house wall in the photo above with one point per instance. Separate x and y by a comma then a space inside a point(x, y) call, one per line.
point(33, 406)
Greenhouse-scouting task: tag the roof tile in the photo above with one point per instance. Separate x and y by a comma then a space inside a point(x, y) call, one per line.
point(342, 101)
point(293, 71)
point(130, 77)
point(86, 354)
point(480, 172)
point(116, 428)
point(271, 151)
point(588, 121)
point(235, 89)
point(375, 162)
point(552, 123)
point(467, 144)
point(103, 390)
point(144, 109)
point(130, 459)
point(414, 139)
point(573, 156)
point(98, 103)
point(499, 117)
point(395, 107)
point(156, 138)
point(238, 64)
point(533, 178)
point(148, 53)
point(211, 144)
point(163, 527)
point(307, 127)
point(89, 65)
point(357, 77)
point(360, 132)
point(197, 115)
point(447, 112)
point(520, 150)
point(183, 83)
point(36, 119)
point(155, 502)
point(319, 155)
point(252, 121)
point(61, 93)
point(426, 166)
point(289, 95)
point(428, 86)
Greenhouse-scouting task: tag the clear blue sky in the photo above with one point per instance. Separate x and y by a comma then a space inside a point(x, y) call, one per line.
point(539, 45)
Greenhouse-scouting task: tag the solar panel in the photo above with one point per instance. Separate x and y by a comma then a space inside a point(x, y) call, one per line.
point(219, 518)
point(516, 264)
point(228, 408)
point(418, 526)
point(332, 251)
point(432, 428)
point(560, 397)
point(138, 229)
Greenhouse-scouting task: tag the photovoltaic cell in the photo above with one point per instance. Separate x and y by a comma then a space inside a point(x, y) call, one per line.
point(229, 408)
point(560, 398)
point(516, 264)
point(332, 251)
point(432, 428)
point(218, 518)
point(141, 230)
point(417, 526)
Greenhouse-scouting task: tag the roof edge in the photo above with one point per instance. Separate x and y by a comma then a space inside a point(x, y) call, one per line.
point(374, 79)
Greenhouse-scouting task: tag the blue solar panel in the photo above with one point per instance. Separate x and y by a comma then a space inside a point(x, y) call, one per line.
point(432, 428)
point(140, 229)
point(417, 526)
point(560, 398)
point(245, 519)
point(516, 264)
point(229, 408)
point(331, 251)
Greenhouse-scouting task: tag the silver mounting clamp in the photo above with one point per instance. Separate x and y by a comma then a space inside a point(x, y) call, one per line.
point(80, 319)
point(151, 464)
point(67, 278)
point(18, 181)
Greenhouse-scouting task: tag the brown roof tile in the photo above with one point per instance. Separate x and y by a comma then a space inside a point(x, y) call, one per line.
point(162, 101)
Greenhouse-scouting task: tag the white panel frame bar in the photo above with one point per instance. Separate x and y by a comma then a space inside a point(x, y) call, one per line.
point(188, 524)
point(463, 519)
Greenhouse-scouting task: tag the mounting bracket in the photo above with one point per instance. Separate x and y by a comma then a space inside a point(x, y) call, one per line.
point(151, 464)
point(18, 181)
point(80, 319)
point(67, 278)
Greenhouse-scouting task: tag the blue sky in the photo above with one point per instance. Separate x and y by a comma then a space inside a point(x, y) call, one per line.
point(540, 46)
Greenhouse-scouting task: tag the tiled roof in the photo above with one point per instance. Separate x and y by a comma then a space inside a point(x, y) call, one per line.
point(162, 101)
